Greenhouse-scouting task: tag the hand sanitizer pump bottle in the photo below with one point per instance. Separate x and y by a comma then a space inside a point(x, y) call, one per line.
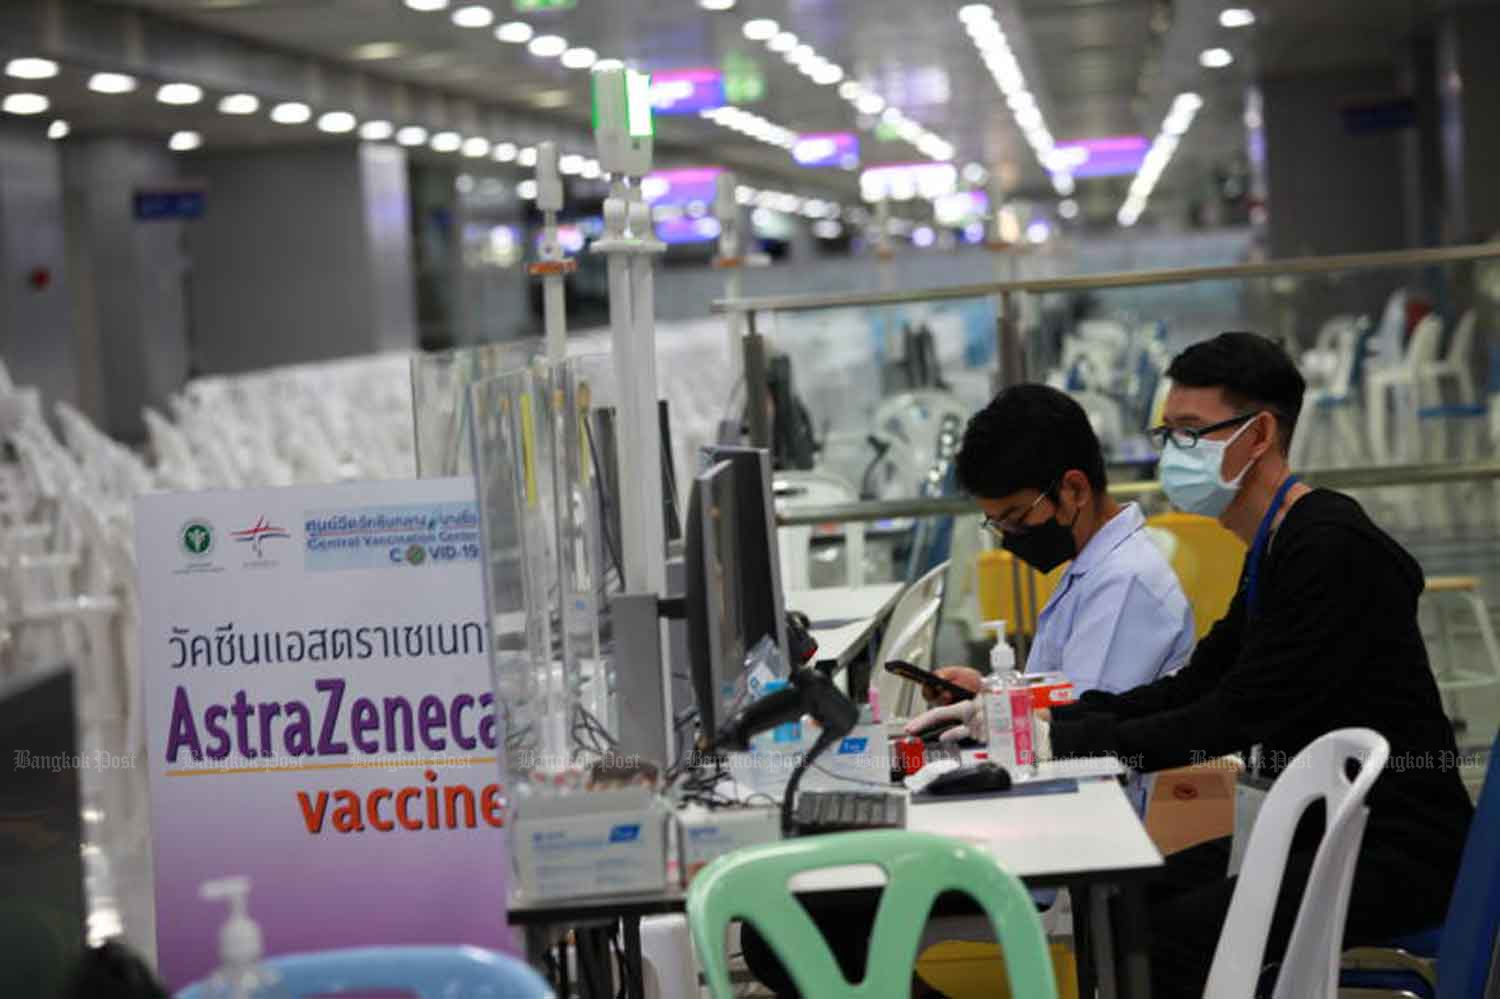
point(240, 974)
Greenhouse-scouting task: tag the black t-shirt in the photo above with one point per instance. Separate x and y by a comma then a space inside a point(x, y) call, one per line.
point(1335, 644)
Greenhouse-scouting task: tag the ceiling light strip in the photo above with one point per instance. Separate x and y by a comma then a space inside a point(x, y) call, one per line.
point(1178, 120)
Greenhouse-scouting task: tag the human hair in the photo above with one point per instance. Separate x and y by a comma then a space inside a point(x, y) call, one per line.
point(1252, 372)
point(1028, 437)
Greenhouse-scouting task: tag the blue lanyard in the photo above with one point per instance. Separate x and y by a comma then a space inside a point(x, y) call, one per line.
point(1258, 549)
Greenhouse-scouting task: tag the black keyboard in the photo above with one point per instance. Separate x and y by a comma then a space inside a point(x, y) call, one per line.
point(838, 811)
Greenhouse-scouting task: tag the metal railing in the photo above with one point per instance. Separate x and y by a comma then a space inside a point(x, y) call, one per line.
point(1330, 478)
point(1126, 279)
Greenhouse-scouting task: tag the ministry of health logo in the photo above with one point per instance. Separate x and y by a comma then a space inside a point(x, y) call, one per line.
point(262, 531)
point(196, 538)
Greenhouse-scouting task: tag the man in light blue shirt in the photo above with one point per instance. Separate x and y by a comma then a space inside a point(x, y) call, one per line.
point(1118, 618)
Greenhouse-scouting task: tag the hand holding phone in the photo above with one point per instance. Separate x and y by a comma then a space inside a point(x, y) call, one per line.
point(927, 678)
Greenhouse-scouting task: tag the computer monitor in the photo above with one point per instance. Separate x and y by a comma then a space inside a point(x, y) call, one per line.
point(42, 918)
point(734, 596)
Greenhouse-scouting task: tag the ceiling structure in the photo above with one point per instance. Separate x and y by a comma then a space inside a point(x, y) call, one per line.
point(1096, 68)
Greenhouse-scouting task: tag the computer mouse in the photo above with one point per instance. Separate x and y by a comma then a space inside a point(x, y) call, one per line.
point(973, 779)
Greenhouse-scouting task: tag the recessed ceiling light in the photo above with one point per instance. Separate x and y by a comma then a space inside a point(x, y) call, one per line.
point(827, 75)
point(377, 50)
point(376, 131)
point(591, 169)
point(505, 152)
point(111, 83)
point(476, 147)
point(527, 157)
point(239, 104)
point(526, 190)
point(184, 142)
point(570, 164)
point(579, 58)
point(1067, 208)
point(1236, 17)
point(412, 135)
point(427, 5)
point(547, 46)
point(446, 142)
point(291, 113)
point(473, 16)
point(761, 29)
point(783, 41)
point(800, 54)
point(870, 104)
point(24, 104)
point(59, 129)
point(716, 4)
point(337, 122)
point(514, 32)
point(180, 94)
point(31, 69)
point(850, 91)
point(1215, 58)
point(550, 99)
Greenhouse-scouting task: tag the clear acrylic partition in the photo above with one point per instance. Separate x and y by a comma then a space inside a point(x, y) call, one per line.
point(545, 571)
point(439, 382)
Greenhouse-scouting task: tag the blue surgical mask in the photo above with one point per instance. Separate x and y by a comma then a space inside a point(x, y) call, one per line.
point(1193, 478)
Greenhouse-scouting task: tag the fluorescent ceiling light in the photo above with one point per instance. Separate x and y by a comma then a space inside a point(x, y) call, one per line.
point(975, 12)
point(761, 29)
point(184, 142)
point(850, 90)
point(527, 157)
point(427, 5)
point(800, 54)
point(111, 83)
point(1067, 208)
point(1215, 58)
point(337, 122)
point(827, 76)
point(376, 131)
point(473, 16)
point(24, 104)
point(514, 32)
point(59, 129)
point(412, 135)
point(783, 41)
point(446, 142)
point(716, 4)
point(505, 152)
point(1236, 17)
point(526, 190)
point(591, 169)
point(476, 147)
point(239, 104)
point(291, 113)
point(870, 104)
point(570, 164)
point(31, 69)
point(547, 46)
point(579, 58)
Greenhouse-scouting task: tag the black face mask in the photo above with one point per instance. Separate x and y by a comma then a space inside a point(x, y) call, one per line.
point(1045, 546)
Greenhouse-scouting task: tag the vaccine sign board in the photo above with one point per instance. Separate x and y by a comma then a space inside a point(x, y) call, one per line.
point(319, 718)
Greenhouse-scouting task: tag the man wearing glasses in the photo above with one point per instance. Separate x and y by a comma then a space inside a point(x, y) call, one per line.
point(1118, 617)
point(1322, 635)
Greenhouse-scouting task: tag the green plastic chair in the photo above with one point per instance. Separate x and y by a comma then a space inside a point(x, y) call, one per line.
point(751, 885)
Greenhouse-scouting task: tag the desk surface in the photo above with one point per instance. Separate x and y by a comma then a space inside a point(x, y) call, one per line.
point(863, 606)
point(1092, 834)
point(1089, 834)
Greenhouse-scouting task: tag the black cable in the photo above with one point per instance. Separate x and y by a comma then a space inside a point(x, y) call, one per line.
point(605, 508)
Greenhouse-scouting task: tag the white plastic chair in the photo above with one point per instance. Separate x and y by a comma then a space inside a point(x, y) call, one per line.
point(911, 425)
point(669, 970)
point(1328, 434)
point(1310, 967)
point(910, 634)
point(794, 544)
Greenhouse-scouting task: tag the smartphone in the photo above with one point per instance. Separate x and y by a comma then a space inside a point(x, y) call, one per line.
point(927, 678)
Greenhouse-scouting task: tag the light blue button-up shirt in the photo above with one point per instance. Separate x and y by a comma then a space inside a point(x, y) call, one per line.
point(1118, 619)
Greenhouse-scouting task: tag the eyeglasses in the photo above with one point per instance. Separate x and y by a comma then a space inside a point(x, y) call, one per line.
point(1015, 523)
point(1185, 438)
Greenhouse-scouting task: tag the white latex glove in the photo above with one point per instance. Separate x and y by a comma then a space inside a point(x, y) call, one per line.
point(968, 714)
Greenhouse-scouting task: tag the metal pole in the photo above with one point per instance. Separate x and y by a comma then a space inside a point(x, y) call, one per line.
point(757, 391)
point(1012, 350)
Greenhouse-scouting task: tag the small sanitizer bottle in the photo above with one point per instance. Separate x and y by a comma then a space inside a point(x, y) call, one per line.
point(1007, 707)
point(240, 974)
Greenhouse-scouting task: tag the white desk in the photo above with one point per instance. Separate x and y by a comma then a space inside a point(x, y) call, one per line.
point(864, 607)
